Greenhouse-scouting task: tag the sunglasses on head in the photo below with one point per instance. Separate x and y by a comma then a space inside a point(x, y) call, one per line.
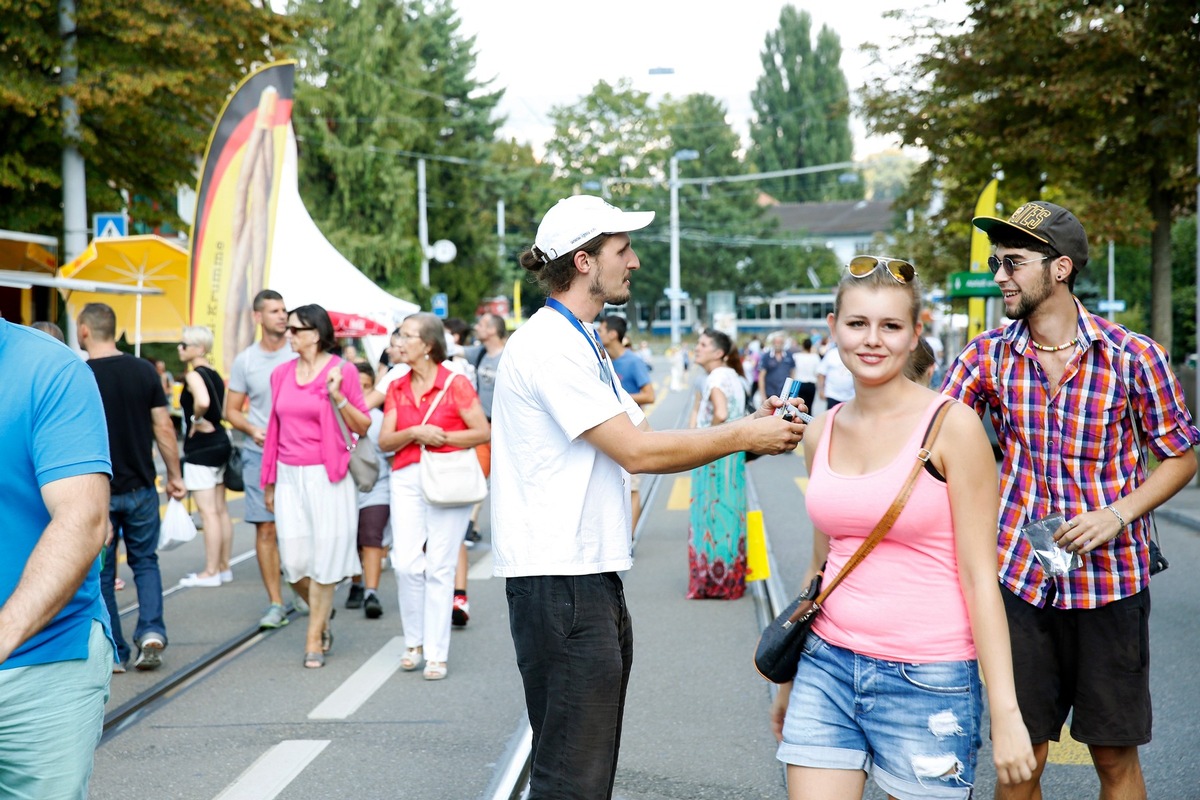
point(994, 264)
point(862, 266)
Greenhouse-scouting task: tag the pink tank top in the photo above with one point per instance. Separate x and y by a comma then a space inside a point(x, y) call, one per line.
point(903, 602)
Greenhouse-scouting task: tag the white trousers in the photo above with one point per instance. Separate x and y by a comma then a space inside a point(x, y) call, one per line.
point(425, 544)
point(317, 524)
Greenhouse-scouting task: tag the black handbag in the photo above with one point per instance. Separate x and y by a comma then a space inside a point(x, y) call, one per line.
point(233, 471)
point(777, 655)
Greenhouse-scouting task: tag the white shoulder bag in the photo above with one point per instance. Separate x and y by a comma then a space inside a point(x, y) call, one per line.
point(454, 478)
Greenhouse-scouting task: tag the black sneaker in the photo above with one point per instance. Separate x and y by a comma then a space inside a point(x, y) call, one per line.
point(372, 607)
point(355, 600)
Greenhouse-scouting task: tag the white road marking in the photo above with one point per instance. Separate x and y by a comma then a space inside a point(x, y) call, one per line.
point(274, 770)
point(358, 688)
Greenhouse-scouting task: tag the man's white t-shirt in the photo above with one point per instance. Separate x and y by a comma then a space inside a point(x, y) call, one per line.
point(559, 505)
point(806, 366)
point(839, 381)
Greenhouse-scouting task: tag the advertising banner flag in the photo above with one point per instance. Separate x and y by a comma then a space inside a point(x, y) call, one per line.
point(236, 201)
point(981, 248)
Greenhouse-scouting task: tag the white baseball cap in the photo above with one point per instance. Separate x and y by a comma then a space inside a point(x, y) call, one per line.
point(576, 220)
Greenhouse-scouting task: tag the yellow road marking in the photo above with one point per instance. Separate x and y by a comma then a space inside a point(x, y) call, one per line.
point(1068, 751)
point(802, 482)
point(681, 494)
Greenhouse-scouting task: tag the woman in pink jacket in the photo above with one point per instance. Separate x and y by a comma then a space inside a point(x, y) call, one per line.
point(306, 469)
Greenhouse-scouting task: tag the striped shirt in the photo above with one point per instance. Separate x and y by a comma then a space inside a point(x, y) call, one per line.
point(1074, 449)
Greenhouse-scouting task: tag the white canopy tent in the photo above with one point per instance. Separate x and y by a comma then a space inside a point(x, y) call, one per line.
point(306, 268)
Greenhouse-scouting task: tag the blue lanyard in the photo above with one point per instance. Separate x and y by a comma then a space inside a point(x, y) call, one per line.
point(605, 371)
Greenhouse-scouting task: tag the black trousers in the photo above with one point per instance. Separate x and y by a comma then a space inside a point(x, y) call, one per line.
point(574, 645)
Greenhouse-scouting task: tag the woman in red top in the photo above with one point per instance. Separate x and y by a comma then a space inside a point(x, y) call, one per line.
point(426, 537)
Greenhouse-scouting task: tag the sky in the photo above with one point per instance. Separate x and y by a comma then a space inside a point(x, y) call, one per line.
point(549, 52)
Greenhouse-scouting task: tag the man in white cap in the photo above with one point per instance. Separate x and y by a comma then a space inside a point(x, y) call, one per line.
point(565, 437)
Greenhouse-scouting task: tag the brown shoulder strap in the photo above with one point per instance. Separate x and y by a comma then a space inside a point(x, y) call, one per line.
point(882, 527)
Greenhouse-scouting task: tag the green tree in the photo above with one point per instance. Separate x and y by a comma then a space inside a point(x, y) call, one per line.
point(721, 224)
point(528, 188)
point(802, 111)
point(152, 77)
point(385, 83)
point(612, 132)
point(1089, 104)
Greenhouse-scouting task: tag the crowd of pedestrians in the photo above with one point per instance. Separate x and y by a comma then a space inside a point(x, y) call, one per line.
point(555, 414)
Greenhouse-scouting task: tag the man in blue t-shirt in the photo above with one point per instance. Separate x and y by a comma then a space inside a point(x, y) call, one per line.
point(634, 374)
point(775, 366)
point(56, 655)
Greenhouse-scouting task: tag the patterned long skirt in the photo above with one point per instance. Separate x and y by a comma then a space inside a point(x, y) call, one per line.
point(717, 541)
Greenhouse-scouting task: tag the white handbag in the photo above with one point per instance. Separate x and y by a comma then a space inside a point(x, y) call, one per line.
point(454, 478)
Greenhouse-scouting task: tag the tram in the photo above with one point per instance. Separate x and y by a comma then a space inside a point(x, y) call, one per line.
point(798, 311)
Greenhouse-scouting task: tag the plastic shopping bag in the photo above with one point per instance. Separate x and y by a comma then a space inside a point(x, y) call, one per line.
point(177, 526)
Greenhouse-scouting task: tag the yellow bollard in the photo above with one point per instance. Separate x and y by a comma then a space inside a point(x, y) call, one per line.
point(758, 568)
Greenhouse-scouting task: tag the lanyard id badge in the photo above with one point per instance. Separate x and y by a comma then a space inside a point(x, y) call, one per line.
point(605, 371)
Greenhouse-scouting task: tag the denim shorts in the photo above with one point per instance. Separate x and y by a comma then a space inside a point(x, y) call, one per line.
point(255, 509)
point(915, 728)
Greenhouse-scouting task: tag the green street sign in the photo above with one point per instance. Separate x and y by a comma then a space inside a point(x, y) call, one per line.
point(971, 284)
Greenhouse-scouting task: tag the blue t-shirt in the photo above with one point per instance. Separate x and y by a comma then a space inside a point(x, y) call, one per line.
point(52, 427)
point(632, 371)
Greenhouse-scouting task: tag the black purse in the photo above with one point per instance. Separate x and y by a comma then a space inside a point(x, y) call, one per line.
point(777, 655)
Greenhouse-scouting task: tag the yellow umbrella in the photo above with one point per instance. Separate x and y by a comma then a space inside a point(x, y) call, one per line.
point(142, 261)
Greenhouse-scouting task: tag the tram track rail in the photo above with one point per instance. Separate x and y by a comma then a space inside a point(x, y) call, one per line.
point(128, 713)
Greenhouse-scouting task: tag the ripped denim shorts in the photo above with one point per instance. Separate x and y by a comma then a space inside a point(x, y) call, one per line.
point(913, 727)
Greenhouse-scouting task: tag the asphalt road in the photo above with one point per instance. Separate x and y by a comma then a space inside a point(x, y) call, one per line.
point(696, 723)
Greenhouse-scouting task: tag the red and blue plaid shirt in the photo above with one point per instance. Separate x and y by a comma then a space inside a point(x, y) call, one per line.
point(1075, 449)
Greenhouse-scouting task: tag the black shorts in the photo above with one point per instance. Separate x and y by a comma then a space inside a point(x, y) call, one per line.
point(1094, 663)
point(372, 522)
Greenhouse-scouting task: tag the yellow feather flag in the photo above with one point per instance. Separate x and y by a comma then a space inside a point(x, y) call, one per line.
point(758, 567)
point(981, 248)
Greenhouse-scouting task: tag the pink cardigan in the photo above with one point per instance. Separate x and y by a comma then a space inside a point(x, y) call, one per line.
point(334, 454)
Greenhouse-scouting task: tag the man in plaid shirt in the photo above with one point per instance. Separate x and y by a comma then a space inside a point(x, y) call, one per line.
point(1075, 399)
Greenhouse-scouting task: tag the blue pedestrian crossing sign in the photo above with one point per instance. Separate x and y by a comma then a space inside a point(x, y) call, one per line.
point(441, 305)
point(107, 226)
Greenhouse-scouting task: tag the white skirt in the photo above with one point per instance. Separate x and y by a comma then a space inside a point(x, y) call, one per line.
point(317, 524)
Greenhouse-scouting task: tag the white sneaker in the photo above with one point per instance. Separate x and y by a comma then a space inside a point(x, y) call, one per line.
point(149, 653)
point(200, 581)
point(227, 576)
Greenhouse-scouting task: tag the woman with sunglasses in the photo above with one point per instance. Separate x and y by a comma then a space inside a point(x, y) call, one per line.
point(305, 470)
point(906, 633)
point(206, 449)
point(717, 526)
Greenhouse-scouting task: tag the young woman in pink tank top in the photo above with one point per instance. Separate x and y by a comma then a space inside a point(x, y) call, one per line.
point(889, 682)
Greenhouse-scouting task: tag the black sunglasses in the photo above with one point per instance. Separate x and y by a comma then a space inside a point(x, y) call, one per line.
point(1009, 265)
point(294, 329)
point(901, 271)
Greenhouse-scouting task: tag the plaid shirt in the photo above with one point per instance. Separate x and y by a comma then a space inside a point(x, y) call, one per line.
point(1075, 449)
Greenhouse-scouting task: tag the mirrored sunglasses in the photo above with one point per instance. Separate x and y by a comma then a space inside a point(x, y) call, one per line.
point(862, 266)
point(1009, 265)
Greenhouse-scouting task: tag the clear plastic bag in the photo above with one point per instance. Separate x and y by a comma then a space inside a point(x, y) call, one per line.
point(1054, 559)
point(177, 526)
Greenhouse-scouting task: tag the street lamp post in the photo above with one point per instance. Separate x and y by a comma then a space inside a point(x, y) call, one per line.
point(675, 290)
